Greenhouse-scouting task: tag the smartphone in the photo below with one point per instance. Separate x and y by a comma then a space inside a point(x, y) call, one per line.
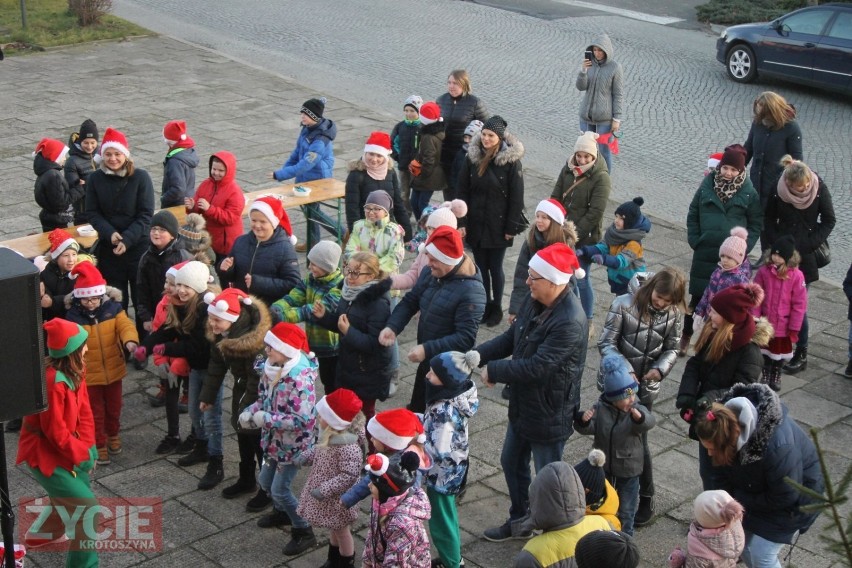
point(588, 55)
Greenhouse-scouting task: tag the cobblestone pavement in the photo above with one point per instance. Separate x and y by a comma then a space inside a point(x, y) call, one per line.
point(137, 86)
point(680, 104)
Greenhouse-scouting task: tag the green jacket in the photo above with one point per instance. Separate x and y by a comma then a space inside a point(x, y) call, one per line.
point(297, 306)
point(586, 201)
point(709, 223)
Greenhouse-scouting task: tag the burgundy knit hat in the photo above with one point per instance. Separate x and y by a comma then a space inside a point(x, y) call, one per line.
point(734, 304)
point(734, 156)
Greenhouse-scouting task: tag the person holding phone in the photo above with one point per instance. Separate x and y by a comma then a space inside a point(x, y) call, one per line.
point(601, 79)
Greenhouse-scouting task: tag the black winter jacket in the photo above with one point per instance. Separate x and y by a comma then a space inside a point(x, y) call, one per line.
point(457, 113)
point(53, 195)
point(193, 346)
point(273, 265)
point(450, 309)
point(57, 286)
point(152, 276)
point(178, 177)
point(363, 364)
point(359, 185)
point(765, 148)
point(809, 227)
point(548, 349)
point(404, 139)
point(495, 201)
point(77, 168)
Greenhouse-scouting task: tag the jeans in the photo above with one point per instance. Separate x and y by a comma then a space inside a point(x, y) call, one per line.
point(628, 501)
point(850, 341)
point(803, 333)
point(600, 128)
point(419, 200)
point(584, 289)
point(394, 362)
point(207, 425)
point(515, 460)
point(760, 553)
point(275, 478)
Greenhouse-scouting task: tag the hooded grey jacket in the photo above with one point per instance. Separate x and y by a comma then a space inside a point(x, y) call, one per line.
point(602, 83)
point(645, 345)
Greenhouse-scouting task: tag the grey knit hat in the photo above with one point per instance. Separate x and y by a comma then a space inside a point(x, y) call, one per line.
point(326, 255)
point(381, 198)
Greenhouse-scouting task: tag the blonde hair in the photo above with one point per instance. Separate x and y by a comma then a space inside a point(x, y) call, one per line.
point(556, 233)
point(775, 112)
point(356, 427)
point(796, 172)
point(718, 341)
point(463, 79)
point(185, 325)
point(370, 261)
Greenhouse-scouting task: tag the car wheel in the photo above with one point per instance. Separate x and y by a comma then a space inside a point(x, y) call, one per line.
point(742, 66)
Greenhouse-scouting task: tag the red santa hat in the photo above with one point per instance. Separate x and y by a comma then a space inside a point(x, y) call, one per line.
point(51, 149)
point(227, 304)
point(377, 464)
point(172, 271)
point(396, 428)
point(339, 408)
point(556, 263)
point(174, 131)
point(272, 208)
point(713, 160)
point(378, 143)
point(288, 339)
point(553, 209)
point(115, 139)
point(430, 113)
point(60, 240)
point(88, 282)
point(445, 245)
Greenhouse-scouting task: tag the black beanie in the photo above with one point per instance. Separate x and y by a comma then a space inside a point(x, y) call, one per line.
point(592, 475)
point(784, 247)
point(613, 549)
point(88, 130)
point(631, 212)
point(497, 125)
point(167, 221)
point(314, 108)
point(392, 475)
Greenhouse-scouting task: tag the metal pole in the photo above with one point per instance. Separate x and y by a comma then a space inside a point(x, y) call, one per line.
point(24, 14)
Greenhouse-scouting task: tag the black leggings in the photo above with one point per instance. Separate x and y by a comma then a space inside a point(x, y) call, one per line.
point(688, 317)
point(328, 373)
point(172, 413)
point(490, 264)
point(250, 450)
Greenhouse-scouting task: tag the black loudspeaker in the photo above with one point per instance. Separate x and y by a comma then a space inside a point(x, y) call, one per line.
point(22, 386)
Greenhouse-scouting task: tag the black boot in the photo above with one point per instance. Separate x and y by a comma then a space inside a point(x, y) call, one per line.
point(349, 562)
point(197, 455)
point(767, 370)
point(302, 539)
point(259, 502)
point(775, 376)
point(214, 475)
point(799, 362)
point(489, 306)
point(187, 445)
point(245, 482)
point(848, 372)
point(276, 518)
point(645, 512)
point(333, 557)
point(496, 315)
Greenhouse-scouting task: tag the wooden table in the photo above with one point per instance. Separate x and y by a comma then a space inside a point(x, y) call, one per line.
point(321, 190)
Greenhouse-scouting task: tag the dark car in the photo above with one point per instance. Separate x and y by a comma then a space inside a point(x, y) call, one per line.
point(812, 46)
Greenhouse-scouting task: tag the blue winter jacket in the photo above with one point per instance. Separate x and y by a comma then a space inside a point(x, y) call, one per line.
point(313, 156)
point(273, 265)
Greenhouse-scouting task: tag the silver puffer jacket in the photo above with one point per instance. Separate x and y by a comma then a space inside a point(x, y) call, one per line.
point(645, 345)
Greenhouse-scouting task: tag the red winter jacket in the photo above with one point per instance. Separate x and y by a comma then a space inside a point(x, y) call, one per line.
point(225, 215)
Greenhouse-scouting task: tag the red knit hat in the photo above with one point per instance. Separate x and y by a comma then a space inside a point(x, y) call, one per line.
point(63, 337)
point(553, 209)
point(378, 143)
point(51, 149)
point(273, 209)
point(339, 408)
point(88, 282)
point(115, 139)
point(288, 339)
point(227, 304)
point(734, 156)
point(60, 240)
point(445, 245)
point(556, 263)
point(396, 428)
point(430, 113)
point(734, 304)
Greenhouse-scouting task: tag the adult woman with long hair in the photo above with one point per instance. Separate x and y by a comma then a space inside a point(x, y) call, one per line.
point(491, 182)
point(754, 446)
point(801, 207)
point(459, 106)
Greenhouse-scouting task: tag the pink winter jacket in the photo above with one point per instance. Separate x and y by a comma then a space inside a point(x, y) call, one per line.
point(786, 301)
point(408, 279)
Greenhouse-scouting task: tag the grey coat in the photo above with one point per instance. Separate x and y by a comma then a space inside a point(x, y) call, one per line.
point(604, 91)
point(645, 345)
point(618, 436)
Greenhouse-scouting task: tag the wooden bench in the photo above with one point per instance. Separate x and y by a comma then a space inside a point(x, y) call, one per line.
point(327, 189)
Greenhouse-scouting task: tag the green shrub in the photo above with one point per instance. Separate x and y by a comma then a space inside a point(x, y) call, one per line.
point(731, 12)
point(89, 12)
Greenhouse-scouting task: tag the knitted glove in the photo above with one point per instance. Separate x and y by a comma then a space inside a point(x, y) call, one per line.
point(277, 314)
point(588, 251)
point(598, 258)
point(794, 336)
point(415, 168)
point(685, 401)
point(677, 558)
point(159, 349)
point(246, 420)
point(316, 493)
point(609, 261)
point(140, 354)
point(259, 418)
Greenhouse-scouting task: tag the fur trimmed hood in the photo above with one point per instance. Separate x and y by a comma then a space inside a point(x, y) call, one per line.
point(770, 413)
point(763, 332)
point(245, 338)
point(359, 165)
point(111, 294)
point(511, 150)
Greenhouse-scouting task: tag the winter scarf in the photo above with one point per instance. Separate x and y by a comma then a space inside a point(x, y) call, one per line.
point(379, 172)
point(727, 189)
point(615, 237)
point(796, 199)
point(349, 293)
point(580, 170)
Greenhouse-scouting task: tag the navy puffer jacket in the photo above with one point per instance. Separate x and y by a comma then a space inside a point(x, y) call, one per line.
point(273, 265)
